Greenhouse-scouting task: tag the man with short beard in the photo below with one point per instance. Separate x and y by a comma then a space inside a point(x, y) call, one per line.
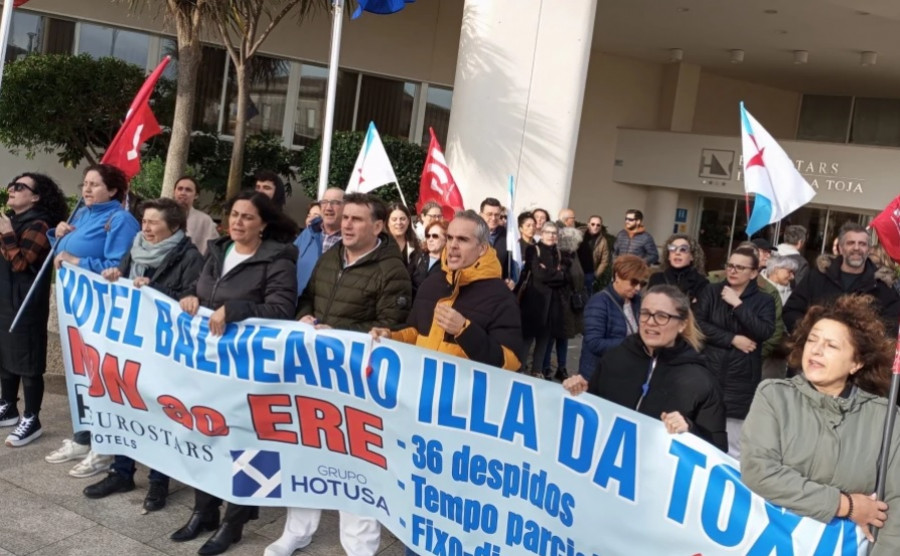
point(851, 272)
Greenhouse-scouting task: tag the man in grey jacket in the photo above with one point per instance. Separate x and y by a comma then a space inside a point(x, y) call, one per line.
point(635, 240)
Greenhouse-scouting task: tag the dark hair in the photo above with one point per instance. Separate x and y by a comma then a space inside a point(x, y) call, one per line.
point(692, 333)
point(873, 346)
point(409, 235)
point(190, 179)
point(523, 217)
point(489, 202)
point(430, 205)
point(279, 227)
point(750, 252)
point(699, 259)
point(376, 206)
point(51, 199)
point(172, 213)
point(313, 205)
point(849, 227)
point(537, 210)
point(268, 175)
point(638, 215)
point(482, 232)
point(113, 178)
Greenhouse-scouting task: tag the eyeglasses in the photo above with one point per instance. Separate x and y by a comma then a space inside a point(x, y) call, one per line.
point(434, 216)
point(19, 186)
point(679, 248)
point(332, 203)
point(737, 267)
point(434, 236)
point(635, 282)
point(594, 224)
point(659, 317)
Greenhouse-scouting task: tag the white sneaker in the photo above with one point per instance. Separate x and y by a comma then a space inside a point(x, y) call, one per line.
point(92, 465)
point(70, 450)
point(287, 544)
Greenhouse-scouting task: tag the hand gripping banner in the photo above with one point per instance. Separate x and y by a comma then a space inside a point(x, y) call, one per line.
point(454, 457)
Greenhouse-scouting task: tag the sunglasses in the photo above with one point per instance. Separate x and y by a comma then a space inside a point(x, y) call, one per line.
point(679, 248)
point(434, 236)
point(630, 219)
point(19, 186)
point(635, 283)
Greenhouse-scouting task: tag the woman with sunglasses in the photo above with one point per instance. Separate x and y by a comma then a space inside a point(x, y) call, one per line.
point(612, 313)
point(659, 371)
point(37, 205)
point(683, 267)
point(428, 262)
point(736, 317)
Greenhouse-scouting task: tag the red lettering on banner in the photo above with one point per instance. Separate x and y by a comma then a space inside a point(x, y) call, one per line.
point(317, 416)
point(105, 377)
point(265, 419)
point(207, 420)
point(360, 438)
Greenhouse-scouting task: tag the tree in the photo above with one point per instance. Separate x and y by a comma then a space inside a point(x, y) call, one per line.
point(188, 17)
point(244, 25)
point(70, 105)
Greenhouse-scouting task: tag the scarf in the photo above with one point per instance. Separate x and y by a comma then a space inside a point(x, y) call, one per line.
point(146, 255)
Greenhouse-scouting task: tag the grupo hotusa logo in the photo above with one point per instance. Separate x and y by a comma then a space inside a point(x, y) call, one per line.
point(256, 474)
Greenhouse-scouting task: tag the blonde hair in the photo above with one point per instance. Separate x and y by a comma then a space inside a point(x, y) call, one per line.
point(691, 333)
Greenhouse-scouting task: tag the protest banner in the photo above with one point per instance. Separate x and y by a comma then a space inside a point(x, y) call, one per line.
point(454, 457)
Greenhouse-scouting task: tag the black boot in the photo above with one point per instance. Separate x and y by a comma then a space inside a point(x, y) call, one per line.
point(156, 496)
point(199, 522)
point(111, 484)
point(226, 535)
point(561, 374)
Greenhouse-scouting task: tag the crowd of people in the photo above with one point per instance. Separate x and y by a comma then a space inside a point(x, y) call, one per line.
point(659, 335)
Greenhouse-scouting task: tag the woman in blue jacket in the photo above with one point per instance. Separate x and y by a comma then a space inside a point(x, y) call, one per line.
point(99, 235)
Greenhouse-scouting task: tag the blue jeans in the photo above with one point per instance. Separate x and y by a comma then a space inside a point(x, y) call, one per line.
point(562, 346)
point(82, 437)
point(125, 467)
point(589, 283)
point(409, 552)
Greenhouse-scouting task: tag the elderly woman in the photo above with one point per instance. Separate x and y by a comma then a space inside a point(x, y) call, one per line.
point(736, 317)
point(612, 313)
point(811, 444)
point(683, 267)
point(659, 371)
point(428, 262)
point(251, 272)
point(37, 205)
point(164, 258)
point(99, 235)
point(399, 226)
point(780, 273)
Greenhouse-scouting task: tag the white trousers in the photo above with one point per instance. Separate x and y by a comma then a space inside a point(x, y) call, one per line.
point(733, 427)
point(360, 536)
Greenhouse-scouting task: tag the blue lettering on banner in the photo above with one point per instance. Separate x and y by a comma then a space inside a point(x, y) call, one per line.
point(736, 524)
point(330, 358)
point(101, 289)
point(261, 354)
point(688, 460)
point(297, 363)
point(384, 382)
point(165, 337)
point(777, 536)
point(834, 531)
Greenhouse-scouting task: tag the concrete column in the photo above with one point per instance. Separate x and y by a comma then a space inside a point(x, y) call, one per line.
point(517, 98)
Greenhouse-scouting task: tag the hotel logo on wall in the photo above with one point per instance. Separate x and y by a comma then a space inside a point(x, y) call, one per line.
point(716, 166)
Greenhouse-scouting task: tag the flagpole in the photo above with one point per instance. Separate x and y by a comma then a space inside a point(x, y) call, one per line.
point(5, 23)
point(331, 93)
point(400, 191)
point(886, 438)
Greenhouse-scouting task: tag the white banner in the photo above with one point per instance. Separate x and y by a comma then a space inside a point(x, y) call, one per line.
point(455, 458)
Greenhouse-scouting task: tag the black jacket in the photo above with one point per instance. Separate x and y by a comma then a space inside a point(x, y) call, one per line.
point(820, 287)
point(177, 274)
point(419, 269)
point(542, 298)
point(586, 250)
point(263, 286)
point(738, 373)
point(680, 382)
point(503, 251)
point(687, 279)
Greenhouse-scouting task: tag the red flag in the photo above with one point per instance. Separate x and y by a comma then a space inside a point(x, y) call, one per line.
point(124, 152)
point(437, 182)
point(17, 3)
point(887, 224)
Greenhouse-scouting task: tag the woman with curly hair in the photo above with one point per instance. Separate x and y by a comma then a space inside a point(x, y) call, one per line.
point(36, 205)
point(811, 444)
point(683, 266)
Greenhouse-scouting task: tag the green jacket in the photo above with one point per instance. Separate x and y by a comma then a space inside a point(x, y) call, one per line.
point(775, 339)
point(374, 291)
point(801, 448)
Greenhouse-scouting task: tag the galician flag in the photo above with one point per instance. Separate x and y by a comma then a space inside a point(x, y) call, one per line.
point(512, 235)
point(373, 168)
point(770, 174)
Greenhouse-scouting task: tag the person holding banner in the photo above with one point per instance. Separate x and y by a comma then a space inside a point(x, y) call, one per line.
point(99, 235)
point(37, 205)
point(164, 258)
point(659, 371)
point(249, 273)
point(811, 443)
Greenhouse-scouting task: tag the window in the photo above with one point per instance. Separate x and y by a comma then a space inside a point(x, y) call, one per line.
point(26, 35)
point(100, 41)
point(437, 114)
point(168, 47)
point(209, 88)
point(876, 121)
point(310, 114)
point(824, 118)
point(388, 103)
point(268, 94)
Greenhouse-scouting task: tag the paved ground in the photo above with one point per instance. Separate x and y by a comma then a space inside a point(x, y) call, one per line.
point(44, 512)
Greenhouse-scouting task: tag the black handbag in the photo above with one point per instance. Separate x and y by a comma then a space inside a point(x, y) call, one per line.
point(578, 300)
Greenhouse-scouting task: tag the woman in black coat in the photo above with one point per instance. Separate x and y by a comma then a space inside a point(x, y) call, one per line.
point(428, 261)
point(684, 266)
point(164, 258)
point(659, 371)
point(736, 317)
point(37, 205)
point(572, 316)
point(252, 272)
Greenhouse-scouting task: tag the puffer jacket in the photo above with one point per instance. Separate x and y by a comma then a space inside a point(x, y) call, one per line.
point(604, 327)
point(177, 274)
point(309, 249)
point(263, 286)
point(374, 291)
point(738, 373)
point(800, 448)
point(640, 243)
point(493, 335)
point(102, 235)
point(821, 286)
point(680, 382)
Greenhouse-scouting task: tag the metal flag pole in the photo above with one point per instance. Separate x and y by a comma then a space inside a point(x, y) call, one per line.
point(331, 93)
point(889, 418)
